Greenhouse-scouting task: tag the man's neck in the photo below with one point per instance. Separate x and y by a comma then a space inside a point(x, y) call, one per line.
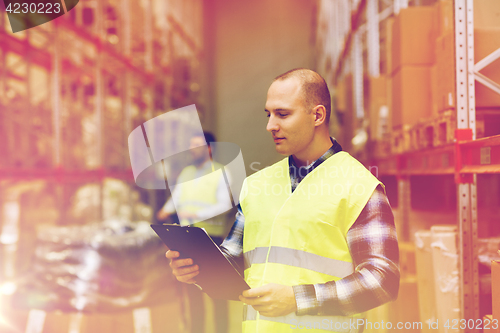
point(316, 150)
point(201, 165)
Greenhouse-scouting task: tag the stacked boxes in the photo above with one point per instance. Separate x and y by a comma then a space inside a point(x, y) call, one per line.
point(412, 57)
point(445, 64)
point(443, 84)
point(419, 68)
point(413, 29)
point(486, 14)
point(411, 99)
point(378, 109)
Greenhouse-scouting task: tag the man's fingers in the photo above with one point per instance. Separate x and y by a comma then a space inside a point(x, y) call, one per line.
point(186, 270)
point(172, 254)
point(188, 278)
point(254, 292)
point(252, 300)
point(177, 263)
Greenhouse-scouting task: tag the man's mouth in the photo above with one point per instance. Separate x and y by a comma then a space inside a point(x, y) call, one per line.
point(278, 140)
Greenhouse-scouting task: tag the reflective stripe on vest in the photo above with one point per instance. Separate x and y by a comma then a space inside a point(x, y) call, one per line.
point(338, 324)
point(298, 258)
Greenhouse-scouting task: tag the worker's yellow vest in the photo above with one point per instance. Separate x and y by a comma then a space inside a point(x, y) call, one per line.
point(300, 238)
point(199, 193)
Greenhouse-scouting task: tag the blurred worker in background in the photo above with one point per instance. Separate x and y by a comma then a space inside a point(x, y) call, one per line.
point(316, 229)
point(204, 202)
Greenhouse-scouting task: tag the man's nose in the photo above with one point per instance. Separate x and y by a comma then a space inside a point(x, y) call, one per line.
point(272, 126)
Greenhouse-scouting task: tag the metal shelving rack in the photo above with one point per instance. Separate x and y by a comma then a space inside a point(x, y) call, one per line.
point(108, 64)
point(465, 158)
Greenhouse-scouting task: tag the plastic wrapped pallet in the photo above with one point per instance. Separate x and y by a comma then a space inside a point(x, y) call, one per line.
point(446, 275)
point(495, 288)
point(425, 279)
point(97, 268)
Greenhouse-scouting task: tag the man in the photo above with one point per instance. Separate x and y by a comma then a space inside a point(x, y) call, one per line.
point(201, 207)
point(316, 229)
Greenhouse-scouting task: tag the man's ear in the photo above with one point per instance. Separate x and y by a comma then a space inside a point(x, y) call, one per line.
point(319, 112)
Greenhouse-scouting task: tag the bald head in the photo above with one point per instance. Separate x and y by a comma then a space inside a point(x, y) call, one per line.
point(314, 88)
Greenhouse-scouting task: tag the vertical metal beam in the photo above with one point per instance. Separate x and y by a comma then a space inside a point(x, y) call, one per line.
point(467, 198)
point(404, 204)
point(373, 38)
point(148, 35)
point(357, 72)
point(99, 106)
point(56, 97)
point(126, 27)
point(336, 7)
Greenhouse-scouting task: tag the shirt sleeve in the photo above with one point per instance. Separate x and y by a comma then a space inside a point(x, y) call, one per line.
point(232, 246)
point(373, 245)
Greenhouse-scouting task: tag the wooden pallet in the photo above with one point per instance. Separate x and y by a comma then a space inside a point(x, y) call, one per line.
point(435, 132)
point(380, 148)
point(443, 128)
point(421, 137)
point(401, 140)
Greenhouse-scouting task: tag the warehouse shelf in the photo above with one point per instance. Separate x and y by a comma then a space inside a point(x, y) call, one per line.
point(476, 156)
point(481, 155)
point(60, 175)
point(441, 144)
point(71, 91)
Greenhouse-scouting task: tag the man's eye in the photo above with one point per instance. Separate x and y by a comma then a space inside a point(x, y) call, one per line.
point(268, 115)
point(282, 114)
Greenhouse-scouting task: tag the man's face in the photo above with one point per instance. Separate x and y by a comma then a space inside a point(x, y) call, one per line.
point(198, 149)
point(290, 123)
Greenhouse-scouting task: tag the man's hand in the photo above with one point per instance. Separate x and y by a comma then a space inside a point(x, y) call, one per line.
point(183, 269)
point(271, 300)
point(162, 215)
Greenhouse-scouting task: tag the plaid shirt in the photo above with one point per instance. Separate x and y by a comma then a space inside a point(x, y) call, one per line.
point(373, 245)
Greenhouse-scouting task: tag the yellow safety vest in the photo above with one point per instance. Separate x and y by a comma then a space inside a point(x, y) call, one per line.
point(300, 238)
point(198, 193)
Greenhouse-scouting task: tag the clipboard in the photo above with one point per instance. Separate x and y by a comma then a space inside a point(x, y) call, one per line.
point(218, 277)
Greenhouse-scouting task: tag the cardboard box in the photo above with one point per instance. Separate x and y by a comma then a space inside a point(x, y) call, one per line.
point(414, 33)
point(411, 95)
point(388, 45)
point(445, 62)
point(434, 90)
point(487, 40)
point(425, 279)
point(445, 19)
point(377, 97)
point(486, 13)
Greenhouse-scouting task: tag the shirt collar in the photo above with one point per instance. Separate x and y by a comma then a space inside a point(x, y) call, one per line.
point(334, 148)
